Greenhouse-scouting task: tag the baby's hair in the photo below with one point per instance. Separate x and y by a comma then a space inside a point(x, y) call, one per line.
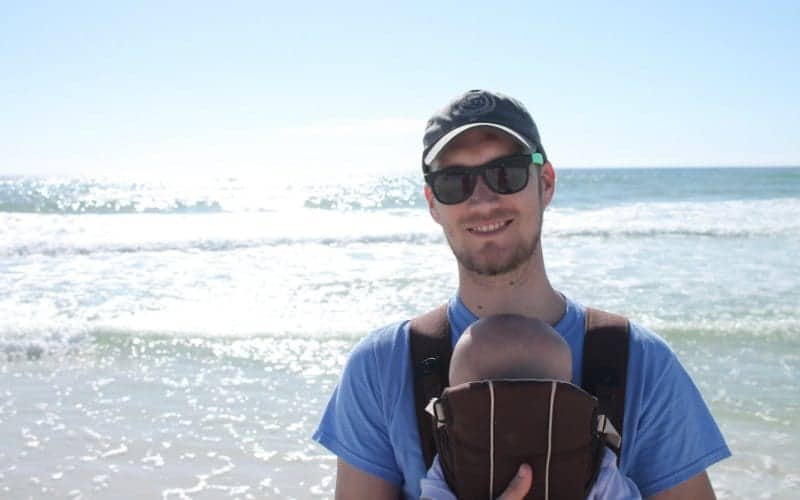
point(510, 346)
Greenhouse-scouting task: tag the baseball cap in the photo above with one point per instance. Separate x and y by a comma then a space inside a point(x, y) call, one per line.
point(479, 108)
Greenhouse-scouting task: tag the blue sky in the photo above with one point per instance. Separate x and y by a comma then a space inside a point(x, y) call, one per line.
point(247, 87)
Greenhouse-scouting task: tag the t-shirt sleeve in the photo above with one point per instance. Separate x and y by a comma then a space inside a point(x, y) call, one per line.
point(675, 435)
point(434, 486)
point(354, 425)
point(611, 484)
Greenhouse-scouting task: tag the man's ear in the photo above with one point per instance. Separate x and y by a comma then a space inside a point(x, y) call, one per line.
point(547, 178)
point(432, 207)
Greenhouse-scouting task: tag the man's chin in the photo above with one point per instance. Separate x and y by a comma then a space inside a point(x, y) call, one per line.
point(491, 268)
point(492, 260)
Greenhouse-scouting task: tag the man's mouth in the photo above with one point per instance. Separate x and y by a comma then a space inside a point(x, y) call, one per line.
point(489, 228)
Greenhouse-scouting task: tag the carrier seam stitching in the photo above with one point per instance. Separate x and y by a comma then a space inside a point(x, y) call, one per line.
point(491, 439)
point(549, 442)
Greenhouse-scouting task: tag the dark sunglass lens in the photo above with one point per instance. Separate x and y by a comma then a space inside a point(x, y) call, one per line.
point(453, 187)
point(507, 178)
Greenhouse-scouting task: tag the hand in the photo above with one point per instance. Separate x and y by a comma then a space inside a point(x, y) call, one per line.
point(520, 485)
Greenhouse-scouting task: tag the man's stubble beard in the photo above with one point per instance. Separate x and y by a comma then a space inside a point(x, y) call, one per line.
point(517, 259)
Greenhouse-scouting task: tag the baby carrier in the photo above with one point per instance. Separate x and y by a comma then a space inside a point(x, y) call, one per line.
point(484, 430)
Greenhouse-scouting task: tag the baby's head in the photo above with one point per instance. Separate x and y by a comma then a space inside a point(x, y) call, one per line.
point(510, 346)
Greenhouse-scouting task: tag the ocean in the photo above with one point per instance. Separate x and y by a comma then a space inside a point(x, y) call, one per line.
point(179, 338)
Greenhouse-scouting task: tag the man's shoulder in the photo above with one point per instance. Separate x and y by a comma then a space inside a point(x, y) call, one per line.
point(649, 346)
point(648, 351)
point(387, 335)
point(643, 340)
point(380, 346)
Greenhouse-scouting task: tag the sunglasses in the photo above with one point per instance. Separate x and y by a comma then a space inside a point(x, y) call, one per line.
point(506, 175)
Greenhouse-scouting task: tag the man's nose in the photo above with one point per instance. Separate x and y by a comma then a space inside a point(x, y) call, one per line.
point(482, 192)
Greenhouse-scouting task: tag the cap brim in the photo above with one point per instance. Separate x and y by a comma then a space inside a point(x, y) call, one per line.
point(445, 140)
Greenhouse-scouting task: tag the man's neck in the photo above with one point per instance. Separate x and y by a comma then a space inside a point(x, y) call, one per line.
point(525, 290)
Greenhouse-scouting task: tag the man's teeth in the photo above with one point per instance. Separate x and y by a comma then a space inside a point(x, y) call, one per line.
point(488, 228)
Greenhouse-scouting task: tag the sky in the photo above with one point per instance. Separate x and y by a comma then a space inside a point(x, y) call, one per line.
point(223, 88)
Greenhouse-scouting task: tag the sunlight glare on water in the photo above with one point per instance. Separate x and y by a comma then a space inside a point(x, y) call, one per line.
point(181, 341)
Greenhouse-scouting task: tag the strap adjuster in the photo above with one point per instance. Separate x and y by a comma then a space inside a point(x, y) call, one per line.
point(436, 409)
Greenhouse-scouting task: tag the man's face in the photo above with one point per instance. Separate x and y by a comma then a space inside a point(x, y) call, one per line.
point(490, 233)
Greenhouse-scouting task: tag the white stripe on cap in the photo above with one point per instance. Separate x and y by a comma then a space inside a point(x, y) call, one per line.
point(445, 140)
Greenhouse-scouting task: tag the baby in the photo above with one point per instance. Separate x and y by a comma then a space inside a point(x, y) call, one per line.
point(508, 356)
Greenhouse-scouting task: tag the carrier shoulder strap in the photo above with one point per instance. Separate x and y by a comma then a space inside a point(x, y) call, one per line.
point(431, 348)
point(605, 365)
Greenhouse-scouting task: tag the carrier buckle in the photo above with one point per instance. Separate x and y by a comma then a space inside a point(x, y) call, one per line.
point(436, 409)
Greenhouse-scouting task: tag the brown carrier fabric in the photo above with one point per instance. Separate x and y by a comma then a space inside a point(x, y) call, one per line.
point(605, 361)
point(487, 429)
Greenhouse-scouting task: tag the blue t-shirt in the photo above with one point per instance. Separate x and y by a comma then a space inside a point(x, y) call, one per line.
point(370, 421)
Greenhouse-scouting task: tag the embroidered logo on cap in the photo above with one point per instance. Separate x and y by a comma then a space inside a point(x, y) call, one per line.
point(475, 103)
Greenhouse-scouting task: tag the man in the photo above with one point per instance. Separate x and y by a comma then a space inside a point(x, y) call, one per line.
point(488, 182)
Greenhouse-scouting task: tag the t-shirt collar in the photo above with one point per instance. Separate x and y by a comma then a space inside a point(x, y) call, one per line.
point(460, 317)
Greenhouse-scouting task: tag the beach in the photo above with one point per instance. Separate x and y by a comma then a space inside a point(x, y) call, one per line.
point(180, 338)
